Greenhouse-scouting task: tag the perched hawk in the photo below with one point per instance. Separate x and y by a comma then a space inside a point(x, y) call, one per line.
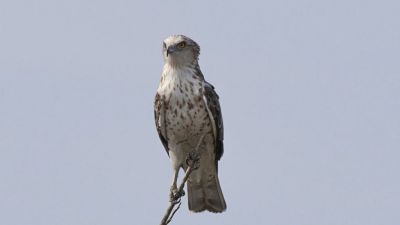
point(187, 110)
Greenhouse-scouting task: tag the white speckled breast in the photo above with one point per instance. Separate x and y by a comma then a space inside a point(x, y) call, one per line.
point(186, 116)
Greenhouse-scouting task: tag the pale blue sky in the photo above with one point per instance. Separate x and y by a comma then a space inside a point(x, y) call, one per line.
point(310, 92)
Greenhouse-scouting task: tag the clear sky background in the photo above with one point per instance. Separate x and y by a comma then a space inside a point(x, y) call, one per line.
point(310, 92)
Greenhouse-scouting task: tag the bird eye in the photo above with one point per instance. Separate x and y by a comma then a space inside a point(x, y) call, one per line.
point(182, 44)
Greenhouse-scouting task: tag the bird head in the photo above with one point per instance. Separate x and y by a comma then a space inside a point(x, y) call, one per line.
point(179, 50)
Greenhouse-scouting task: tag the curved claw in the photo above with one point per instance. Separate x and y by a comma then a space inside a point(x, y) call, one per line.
point(175, 196)
point(175, 201)
point(182, 193)
point(193, 160)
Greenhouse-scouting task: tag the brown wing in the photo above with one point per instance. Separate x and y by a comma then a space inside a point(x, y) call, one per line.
point(215, 109)
point(159, 119)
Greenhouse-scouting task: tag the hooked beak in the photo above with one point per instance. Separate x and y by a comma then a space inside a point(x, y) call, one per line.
point(169, 51)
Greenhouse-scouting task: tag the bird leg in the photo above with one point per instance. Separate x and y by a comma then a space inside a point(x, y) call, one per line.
point(192, 163)
point(175, 195)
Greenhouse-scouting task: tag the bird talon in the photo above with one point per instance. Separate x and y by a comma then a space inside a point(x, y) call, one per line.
point(175, 201)
point(193, 160)
point(175, 196)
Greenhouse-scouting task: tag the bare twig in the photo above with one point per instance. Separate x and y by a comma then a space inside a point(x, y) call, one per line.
point(192, 161)
point(173, 213)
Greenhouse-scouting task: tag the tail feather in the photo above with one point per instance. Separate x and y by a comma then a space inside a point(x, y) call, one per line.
point(206, 196)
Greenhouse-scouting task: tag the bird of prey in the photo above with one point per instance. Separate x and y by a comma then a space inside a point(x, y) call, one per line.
point(188, 114)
